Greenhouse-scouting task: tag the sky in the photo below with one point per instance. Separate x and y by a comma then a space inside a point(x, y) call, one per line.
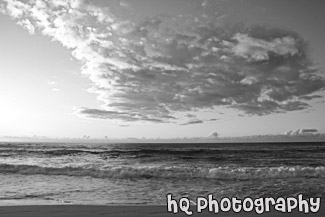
point(161, 68)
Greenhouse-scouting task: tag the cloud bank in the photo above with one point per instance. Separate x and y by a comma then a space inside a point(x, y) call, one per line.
point(155, 69)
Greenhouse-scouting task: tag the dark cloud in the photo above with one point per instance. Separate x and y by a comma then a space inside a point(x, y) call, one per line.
point(310, 97)
point(195, 121)
point(214, 134)
point(155, 69)
point(104, 114)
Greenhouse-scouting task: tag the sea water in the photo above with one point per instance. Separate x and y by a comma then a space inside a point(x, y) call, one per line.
point(146, 173)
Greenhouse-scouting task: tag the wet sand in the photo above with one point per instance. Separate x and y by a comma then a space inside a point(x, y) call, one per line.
point(123, 211)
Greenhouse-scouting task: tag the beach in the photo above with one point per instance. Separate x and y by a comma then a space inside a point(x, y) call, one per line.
point(121, 211)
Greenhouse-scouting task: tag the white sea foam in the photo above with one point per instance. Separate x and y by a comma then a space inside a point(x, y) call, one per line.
point(223, 173)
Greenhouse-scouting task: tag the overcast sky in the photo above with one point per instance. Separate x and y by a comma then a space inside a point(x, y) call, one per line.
point(161, 68)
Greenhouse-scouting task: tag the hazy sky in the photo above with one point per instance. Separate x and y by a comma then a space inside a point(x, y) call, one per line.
point(161, 68)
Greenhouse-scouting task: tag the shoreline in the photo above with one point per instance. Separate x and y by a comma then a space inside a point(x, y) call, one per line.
point(74, 210)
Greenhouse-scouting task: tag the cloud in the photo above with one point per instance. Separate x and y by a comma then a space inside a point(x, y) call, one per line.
point(124, 4)
point(214, 134)
point(105, 114)
point(254, 49)
point(190, 115)
point(54, 84)
point(27, 25)
point(301, 132)
point(158, 68)
point(195, 121)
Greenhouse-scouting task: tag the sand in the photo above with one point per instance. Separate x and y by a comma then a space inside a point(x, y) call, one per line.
point(121, 211)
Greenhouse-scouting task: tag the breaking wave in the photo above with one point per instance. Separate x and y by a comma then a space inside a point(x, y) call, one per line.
point(127, 172)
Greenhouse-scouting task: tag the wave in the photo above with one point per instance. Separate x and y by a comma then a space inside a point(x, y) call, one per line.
point(209, 152)
point(127, 172)
point(144, 152)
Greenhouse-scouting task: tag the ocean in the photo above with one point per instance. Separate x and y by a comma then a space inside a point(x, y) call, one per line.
point(103, 174)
